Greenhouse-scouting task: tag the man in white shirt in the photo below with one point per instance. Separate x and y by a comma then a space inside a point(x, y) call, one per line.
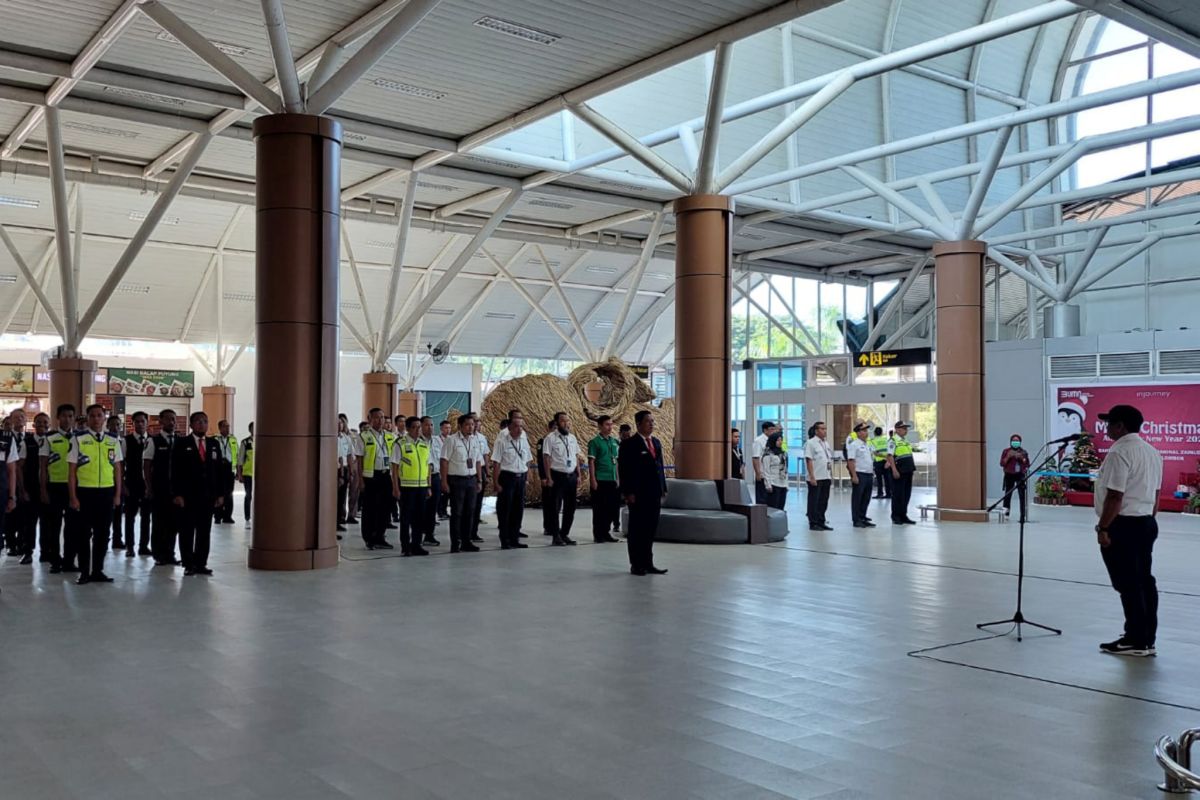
point(511, 459)
point(561, 455)
point(860, 465)
point(462, 468)
point(761, 490)
point(434, 441)
point(818, 457)
point(486, 448)
point(346, 467)
point(445, 430)
point(1126, 501)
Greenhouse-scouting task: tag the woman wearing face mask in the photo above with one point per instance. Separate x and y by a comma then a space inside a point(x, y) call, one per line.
point(1015, 461)
point(775, 471)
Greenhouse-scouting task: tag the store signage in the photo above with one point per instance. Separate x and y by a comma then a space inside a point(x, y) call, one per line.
point(640, 370)
point(42, 382)
point(913, 356)
point(16, 378)
point(152, 382)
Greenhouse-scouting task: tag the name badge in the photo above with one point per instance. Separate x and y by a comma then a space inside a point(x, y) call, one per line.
point(470, 463)
point(387, 461)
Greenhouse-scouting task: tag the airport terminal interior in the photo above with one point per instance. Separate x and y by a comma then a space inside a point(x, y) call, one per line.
point(887, 297)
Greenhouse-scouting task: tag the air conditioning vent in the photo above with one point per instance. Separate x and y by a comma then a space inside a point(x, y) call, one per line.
point(1179, 362)
point(1120, 364)
point(1073, 367)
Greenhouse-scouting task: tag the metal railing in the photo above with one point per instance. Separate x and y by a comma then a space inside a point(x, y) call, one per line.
point(1175, 757)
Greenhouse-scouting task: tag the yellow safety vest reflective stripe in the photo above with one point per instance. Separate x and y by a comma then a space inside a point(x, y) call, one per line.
point(233, 451)
point(879, 448)
point(248, 464)
point(902, 449)
point(95, 468)
point(58, 468)
point(414, 464)
point(370, 446)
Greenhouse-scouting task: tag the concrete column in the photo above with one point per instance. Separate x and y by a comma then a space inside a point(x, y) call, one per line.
point(218, 405)
point(409, 404)
point(703, 256)
point(958, 272)
point(72, 380)
point(379, 391)
point(298, 184)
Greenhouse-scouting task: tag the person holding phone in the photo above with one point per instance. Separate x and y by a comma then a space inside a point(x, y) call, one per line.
point(1015, 463)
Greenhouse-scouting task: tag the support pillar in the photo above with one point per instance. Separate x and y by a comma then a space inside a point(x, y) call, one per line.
point(72, 380)
point(298, 183)
point(962, 451)
point(218, 404)
point(703, 254)
point(379, 391)
point(409, 404)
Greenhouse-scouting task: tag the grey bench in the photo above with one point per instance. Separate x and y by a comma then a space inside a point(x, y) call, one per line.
point(693, 513)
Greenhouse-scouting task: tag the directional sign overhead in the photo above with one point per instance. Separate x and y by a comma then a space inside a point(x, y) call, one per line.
point(894, 358)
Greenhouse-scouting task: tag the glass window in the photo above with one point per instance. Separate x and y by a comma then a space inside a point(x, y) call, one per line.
point(766, 414)
point(766, 376)
point(792, 376)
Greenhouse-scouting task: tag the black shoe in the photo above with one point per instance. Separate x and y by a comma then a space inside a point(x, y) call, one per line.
point(825, 527)
point(655, 571)
point(144, 551)
point(82, 580)
point(339, 537)
point(636, 571)
point(26, 559)
point(455, 548)
point(815, 528)
point(129, 552)
point(432, 541)
point(99, 577)
point(70, 568)
point(417, 550)
point(558, 541)
point(203, 571)
point(118, 544)
point(341, 529)
point(443, 518)
point(860, 525)
point(469, 548)
point(1121, 647)
point(370, 546)
point(56, 569)
point(385, 545)
point(909, 521)
point(522, 536)
point(868, 524)
point(389, 527)
point(518, 546)
point(351, 521)
point(43, 559)
point(189, 572)
point(569, 541)
point(476, 538)
point(899, 521)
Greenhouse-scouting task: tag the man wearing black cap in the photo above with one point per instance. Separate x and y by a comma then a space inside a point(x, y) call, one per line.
point(859, 463)
point(902, 466)
point(1126, 498)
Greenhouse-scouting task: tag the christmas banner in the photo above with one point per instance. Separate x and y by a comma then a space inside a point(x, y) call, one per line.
point(1172, 414)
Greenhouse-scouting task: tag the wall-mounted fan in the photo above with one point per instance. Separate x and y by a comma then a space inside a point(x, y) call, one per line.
point(439, 351)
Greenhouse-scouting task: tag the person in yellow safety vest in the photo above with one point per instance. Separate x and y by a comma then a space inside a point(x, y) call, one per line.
point(94, 487)
point(376, 468)
point(883, 476)
point(411, 486)
point(228, 446)
point(245, 472)
point(901, 466)
point(56, 506)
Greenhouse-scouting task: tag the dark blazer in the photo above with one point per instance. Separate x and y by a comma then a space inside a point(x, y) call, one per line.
point(135, 476)
point(194, 480)
point(640, 474)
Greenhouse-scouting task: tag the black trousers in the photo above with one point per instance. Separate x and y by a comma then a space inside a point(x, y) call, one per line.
point(412, 516)
point(643, 525)
point(224, 512)
point(478, 507)
point(818, 501)
point(443, 508)
point(778, 497)
point(1130, 558)
point(883, 480)
point(860, 498)
point(165, 528)
point(1009, 482)
point(118, 525)
point(248, 502)
point(343, 495)
point(377, 507)
point(91, 534)
point(10, 535)
point(606, 509)
point(901, 494)
point(195, 532)
point(431, 509)
point(58, 520)
point(549, 509)
point(28, 514)
point(510, 505)
point(135, 504)
point(762, 494)
point(462, 509)
point(566, 486)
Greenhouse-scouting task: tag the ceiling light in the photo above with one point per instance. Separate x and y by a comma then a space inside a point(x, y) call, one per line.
point(149, 97)
point(538, 261)
point(559, 320)
point(224, 47)
point(408, 88)
point(100, 129)
point(520, 31)
point(500, 315)
point(350, 306)
point(602, 270)
point(441, 312)
point(380, 243)
point(133, 288)
point(604, 324)
point(354, 137)
point(436, 187)
point(139, 216)
point(549, 204)
point(19, 202)
point(662, 276)
point(8, 278)
point(242, 297)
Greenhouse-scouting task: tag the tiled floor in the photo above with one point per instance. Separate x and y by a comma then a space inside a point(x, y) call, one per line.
point(747, 672)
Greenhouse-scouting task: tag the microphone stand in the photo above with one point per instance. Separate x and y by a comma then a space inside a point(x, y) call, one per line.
point(1018, 618)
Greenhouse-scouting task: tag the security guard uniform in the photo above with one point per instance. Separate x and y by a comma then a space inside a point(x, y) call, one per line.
point(377, 486)
point(411, 467)
point(902, 456)
point(96, 458)
point(883, 476)
point(55, 447)
point(245, 460)
point(225, 512)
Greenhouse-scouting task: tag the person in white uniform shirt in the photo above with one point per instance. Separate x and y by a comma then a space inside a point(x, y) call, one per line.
point(1126, 501)
point(346, 465)
point(486, 448)
point(354, 493)
point(461, 468)
point(429, 525)
point(860, 464)
point(561, 454)
point(511, 460)
point(818, 457)
point(762, 491)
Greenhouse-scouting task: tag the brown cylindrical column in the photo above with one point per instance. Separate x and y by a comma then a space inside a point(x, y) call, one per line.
point(72, 380)
point(296, 278)
point(409, 404)
point(703, 242)
point(379, 391)
point(218, 404)
point(958, 287)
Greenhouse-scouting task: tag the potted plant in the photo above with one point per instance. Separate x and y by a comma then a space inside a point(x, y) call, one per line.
point(1050, 490)
point(1193, 505)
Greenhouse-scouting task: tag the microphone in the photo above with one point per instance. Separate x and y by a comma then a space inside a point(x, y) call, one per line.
point(1074, 437)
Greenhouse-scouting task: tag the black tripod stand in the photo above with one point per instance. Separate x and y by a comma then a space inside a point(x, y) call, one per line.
point(1018, 618)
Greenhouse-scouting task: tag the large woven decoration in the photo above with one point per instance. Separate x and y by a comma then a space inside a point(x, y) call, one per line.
point(539, 397)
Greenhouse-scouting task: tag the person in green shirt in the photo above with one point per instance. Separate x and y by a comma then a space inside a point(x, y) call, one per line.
point(602, 469)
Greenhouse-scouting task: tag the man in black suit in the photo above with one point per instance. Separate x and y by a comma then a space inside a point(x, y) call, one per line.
point(643, 485)
point(158, 460)
point(196, 485)
point(136, 500)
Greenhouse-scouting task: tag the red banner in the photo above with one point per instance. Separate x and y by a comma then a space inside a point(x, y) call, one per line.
point(1172, 414)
